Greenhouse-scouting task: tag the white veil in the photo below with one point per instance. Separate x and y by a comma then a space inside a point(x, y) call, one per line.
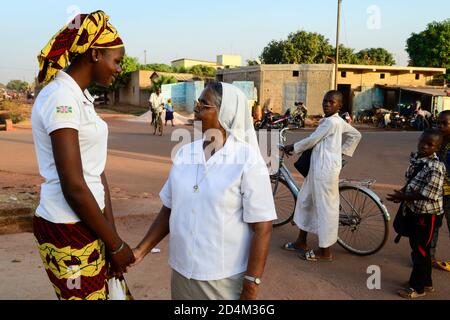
point(235, 116)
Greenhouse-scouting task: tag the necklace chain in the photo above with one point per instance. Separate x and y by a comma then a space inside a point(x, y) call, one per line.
point(197, 183)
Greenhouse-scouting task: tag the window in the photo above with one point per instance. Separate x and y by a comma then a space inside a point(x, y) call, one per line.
point(417, 76)
point(343, 74)
point(382, 75)
point(295, 73)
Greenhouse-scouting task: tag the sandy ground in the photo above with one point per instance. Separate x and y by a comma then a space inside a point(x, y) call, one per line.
point(138, 164)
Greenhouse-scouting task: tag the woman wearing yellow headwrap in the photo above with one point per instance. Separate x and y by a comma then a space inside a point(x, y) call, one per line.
point(74, 224)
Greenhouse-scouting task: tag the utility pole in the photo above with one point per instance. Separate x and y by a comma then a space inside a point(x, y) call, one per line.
point(336, 63)
point(145, 57)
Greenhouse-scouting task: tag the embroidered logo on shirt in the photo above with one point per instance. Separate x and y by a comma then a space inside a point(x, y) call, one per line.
point(64, 109)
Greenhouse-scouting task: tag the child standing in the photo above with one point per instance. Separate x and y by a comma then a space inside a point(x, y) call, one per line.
point(169, 111)
point(422, 197)
point(444, 156)
point(317, 208)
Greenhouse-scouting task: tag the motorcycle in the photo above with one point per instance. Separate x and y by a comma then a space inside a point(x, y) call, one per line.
point(298, 116)
point(272, 120)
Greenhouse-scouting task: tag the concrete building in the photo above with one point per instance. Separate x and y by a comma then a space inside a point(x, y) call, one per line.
point(223, 61)
point(279, 86)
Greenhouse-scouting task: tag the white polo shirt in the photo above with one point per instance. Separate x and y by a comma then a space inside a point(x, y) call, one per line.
point(209, 231)
point(62, 104)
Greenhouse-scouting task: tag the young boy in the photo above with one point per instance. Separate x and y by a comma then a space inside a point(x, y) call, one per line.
point(317, 208)
point(423, 199)
point(444, 156)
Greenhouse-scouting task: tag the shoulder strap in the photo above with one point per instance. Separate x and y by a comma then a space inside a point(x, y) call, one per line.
point(416, 171)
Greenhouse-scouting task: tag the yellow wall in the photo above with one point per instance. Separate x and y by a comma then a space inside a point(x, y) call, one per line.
point(186, 63)
point(368, 78)
point(229, 60)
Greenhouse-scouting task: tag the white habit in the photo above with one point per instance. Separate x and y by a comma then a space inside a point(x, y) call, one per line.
point(317, 208)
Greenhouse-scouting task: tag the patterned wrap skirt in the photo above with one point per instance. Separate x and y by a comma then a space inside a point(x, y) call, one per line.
point(74, 259)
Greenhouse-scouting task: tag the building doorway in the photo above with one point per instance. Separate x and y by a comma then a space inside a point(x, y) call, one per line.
point(346, 90)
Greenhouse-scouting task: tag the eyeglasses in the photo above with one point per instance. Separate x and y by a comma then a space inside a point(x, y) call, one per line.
point(200, 105)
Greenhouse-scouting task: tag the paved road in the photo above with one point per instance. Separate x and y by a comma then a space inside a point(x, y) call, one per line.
point(137, 167)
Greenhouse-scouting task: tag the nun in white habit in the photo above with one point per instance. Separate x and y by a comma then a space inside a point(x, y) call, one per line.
point(217, 205)
point(317, 207)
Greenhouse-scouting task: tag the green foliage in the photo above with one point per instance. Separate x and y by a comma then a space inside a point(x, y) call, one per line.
point(17, 85)
point(157, 67)
point(375, 56)
point(311, 47)
point(180, 70)
point(158, 82)
point(346, 55)
point(299, 47)
point(203, 71)
point(2, 86)
point(253, 62)
point(431, 47)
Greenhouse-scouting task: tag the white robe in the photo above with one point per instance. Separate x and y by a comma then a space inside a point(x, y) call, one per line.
point(317, 208)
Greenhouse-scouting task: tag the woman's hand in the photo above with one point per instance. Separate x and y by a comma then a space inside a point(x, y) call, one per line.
point(139, 255)
point(121, 260)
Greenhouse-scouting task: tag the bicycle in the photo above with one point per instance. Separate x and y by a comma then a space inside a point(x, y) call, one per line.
point(158, 124)
point(363, 218)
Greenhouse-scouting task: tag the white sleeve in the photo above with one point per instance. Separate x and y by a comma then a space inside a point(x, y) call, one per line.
point(61, 111)
point(352, 138)
point(166, 194)
point(323, 130)
point(257, 199)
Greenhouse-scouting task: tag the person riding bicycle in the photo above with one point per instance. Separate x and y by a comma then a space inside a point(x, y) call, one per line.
point(317, 207)
point(156, 102)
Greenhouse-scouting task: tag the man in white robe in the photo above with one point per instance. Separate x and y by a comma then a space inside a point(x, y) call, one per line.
point(317, 208)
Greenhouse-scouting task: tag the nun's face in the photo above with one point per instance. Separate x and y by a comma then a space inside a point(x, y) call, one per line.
point(206, 111)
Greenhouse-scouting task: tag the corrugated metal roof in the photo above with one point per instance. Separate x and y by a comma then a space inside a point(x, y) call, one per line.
point(430, 91)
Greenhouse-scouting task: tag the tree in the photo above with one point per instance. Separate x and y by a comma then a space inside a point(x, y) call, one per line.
point(203, 71)
point(157, 67)
point(299, 47)
point(255, 62)
point(375, 56)
point(346, 55)
point(17, 85)
point(273, 52)
point(431, 47)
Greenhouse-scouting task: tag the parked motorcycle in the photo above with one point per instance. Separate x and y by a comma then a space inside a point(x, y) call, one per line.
point(272, 120)
point(298, 116)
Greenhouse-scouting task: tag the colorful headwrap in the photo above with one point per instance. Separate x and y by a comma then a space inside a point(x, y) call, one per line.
point(84, 32)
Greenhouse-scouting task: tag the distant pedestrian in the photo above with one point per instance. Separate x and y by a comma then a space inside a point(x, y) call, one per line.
point(169, 112)
point(423, 202)
point(156, 104)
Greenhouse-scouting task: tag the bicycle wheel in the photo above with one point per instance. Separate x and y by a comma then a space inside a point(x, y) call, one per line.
point(284, 201)
point(363, 221)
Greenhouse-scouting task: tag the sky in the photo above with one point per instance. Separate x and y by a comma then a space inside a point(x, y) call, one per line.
point(201, 29)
